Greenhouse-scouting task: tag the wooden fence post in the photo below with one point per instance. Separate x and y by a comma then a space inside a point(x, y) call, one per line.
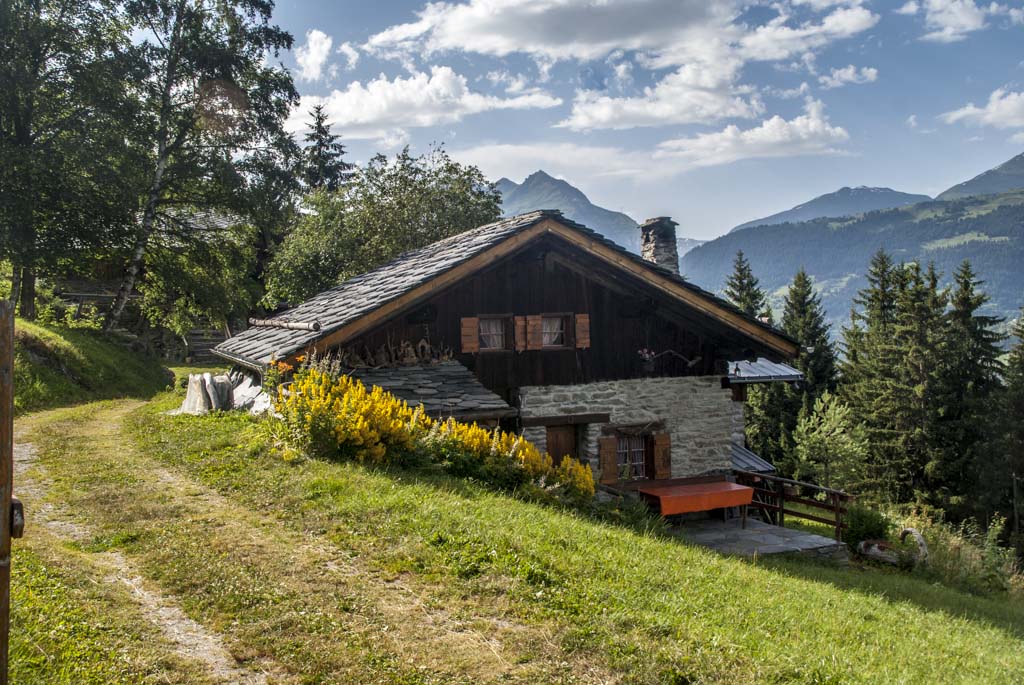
point(6, 474)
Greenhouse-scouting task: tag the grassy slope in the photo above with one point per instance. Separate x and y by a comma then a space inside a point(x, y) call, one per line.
point(59, 367)
point(541, 595)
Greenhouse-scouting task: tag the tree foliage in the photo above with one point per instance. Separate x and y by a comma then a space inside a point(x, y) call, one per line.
point(744, 290)
point(209, 97)
point(324, 166)
point(830, 447)
point(387, 208)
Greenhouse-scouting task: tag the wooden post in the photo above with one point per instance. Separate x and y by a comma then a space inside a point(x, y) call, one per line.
point(781, 491)
point(1016, 507)
point(6, 474)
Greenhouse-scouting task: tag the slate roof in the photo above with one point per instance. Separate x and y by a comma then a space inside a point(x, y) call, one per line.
point(745, 460)
point(762, 371)
point(358, 296)
point(444, 389)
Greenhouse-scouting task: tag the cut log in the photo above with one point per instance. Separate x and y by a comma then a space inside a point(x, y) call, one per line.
point(282, 323)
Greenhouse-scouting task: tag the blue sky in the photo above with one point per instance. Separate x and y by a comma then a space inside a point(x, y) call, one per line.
point(711, 112)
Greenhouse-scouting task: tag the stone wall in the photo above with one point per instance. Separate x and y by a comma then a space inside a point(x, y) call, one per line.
point(702, 418)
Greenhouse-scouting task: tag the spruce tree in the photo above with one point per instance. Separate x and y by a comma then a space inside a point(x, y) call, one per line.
point(744, 290)
point(324, 168)
point(969, 375)
point(1009, 455)
point(803, 318)
point(869, 362)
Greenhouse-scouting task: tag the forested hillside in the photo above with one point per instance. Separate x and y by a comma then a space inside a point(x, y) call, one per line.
point(843, 202)
point(988, 231)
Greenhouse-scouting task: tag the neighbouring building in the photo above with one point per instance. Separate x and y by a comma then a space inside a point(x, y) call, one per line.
point(543, 326)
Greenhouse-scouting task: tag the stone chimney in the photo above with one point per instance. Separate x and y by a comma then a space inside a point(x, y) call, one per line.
point(658, 243)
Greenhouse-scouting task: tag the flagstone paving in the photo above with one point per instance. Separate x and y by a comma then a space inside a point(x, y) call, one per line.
point(758, 538)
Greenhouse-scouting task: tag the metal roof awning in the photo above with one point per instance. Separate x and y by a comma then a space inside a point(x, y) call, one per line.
point(760, 371)
point(745, 460)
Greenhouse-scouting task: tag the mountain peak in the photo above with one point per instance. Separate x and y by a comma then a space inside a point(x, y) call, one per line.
point(846, 201)
point(1006, 177)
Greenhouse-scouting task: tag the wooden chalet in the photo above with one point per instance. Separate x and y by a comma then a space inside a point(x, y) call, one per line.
point(544, 326)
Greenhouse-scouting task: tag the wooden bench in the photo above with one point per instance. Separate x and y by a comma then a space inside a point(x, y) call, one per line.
point(682, 499)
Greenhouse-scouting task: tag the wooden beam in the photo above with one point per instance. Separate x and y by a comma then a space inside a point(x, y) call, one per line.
point(6, 473)
point(564, 419)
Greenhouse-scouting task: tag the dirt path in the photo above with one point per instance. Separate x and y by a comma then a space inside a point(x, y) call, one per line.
point(381, 624)
point(188, 638)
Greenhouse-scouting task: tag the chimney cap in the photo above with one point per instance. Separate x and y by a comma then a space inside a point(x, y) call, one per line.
point(659, 220)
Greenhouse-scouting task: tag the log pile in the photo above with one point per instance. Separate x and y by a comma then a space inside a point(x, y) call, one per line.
point(404, 353)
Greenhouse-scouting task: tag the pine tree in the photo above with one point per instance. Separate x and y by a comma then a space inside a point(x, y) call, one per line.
point(744, 290)
point(325, 168)
point(969, 375)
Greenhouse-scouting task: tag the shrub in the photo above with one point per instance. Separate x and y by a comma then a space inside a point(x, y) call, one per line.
point(965, 556)
point(864, 523)
point(337, 417)
point(334, 416)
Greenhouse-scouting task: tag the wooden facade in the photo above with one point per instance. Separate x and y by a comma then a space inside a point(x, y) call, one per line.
point(610, 315)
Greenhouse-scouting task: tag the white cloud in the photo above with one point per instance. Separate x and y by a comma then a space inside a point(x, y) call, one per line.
point(1017, 138)
point(1004, 109)
point(702, 43)
point(685, 96)
point(912, 121)
point(949, 21)
point(848, 74)
point(807, 134)
point(789, 93)
point(383, 108)
point(312, 57)
point(351, 55)
point(513, 83)
point(908, 9)
point(811, 133)
point(778, 40)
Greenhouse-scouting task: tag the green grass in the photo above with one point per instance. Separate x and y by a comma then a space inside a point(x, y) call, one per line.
point(339, 573)
point(963, 239)
point(55, 366)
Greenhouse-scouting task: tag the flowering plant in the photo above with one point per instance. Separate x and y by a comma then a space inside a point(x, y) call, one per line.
point(646, 354)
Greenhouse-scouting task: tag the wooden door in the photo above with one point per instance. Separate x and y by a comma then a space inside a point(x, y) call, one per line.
point(562, 443)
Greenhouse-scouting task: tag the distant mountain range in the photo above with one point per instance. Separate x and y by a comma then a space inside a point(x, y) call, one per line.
point(986, 227)
point(542, 191)
point(843, 202)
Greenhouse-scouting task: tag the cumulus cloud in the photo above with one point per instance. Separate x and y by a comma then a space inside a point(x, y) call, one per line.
point(351, 55)
point(912, 121)
point(568, 160)
point(777, 39)
point(685, 96)
point(811, 133)
point(383, 108)
point(312, 56)
point(949, 21)
point(909, 9)
point(702, 44)
point(838, 78)
point(1004, 109)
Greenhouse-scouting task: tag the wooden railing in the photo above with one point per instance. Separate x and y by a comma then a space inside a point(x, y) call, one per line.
point(773, 493)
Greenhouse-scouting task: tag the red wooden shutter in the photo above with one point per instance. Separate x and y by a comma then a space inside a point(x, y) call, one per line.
point(520, 333)
point(470, 334)
point(662, 456)
point(583, 331)
point(534, 332)
point(608, 458)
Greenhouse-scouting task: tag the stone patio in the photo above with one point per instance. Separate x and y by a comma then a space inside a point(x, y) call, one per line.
point(727, 537)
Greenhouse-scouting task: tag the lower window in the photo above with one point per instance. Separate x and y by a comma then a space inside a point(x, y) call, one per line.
point(635, 452)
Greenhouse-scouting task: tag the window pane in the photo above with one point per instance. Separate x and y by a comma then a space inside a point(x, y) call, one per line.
point(554, 331)
point(632, 457)
point(492, 334)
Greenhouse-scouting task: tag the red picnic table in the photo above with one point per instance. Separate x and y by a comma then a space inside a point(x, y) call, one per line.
point(681, 499)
